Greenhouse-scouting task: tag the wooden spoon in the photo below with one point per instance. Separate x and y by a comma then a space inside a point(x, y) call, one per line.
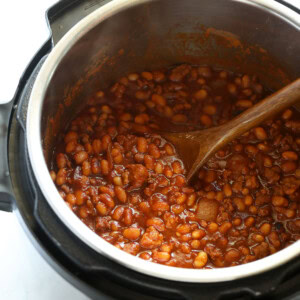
point(195, 147)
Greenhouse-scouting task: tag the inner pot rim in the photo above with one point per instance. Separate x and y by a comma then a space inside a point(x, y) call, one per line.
point(40, 169)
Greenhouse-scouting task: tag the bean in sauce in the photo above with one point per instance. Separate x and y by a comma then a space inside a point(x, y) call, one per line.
point(127, 184)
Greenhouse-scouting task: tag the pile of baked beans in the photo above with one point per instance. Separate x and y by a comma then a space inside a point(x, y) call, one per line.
point(127, 184)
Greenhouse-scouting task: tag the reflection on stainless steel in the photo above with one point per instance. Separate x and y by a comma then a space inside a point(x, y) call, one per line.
point(137, 35)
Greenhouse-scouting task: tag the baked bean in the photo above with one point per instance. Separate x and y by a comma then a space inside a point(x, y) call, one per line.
point(225, 227)
point(159, 168)
point(70, 198)
point(141, 119)
point(142, 95)
point(102, 209)
point(157, 223)
point(287, 114)
point(159, 100)
point(133, 76)
point(232, 255)
point(201, 94)
point(201, 81)
point(121, 194)
point(191, 200)
point(251, 149)
point(210, 109)
point(290, 155)
point(246, 81)
point(118, 213)
point(260, 133)
point(253, 209)
point(268, 162)
point(227, 190)
point(80, 197)
point(86, 168)
point(200, 260)
point(53, 175)
point(205, 72)
point(210, 176)
point(179, 118)
point(279, 201)
point(106, 141)
point(83, 212)
point(132, 233)
point(212, 227)
point(106, 109)
point(149, 162)
point(129, 185)
point(145, 256)
point(153, 151)
point(71, 146)
point(61, 176)
point(232, 88)
point(244, 104)
point(161, 256)
point(71, 135)
point(248, 200)
point(168, 111)
point(96, 146)
point(258, 238)
point(107, 199)
point(169, 149)
point(147, 75)
point(177, 209)
point(249, 221)
point(177, 169)
point(104, 166)
point(106, 190)
point(158, 76)
point(288, 167)
point(88, 148)
point(126, 117)
point(265, 229)
point(239, 203)
point(237, 221)
point(142, 145)
point(117, 181)
point(127, 216)
point(80, 157)
point(95, 166)
point(61, 161)
point(198, 234)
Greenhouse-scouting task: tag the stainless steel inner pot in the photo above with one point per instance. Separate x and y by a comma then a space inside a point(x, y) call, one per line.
point(253, 36)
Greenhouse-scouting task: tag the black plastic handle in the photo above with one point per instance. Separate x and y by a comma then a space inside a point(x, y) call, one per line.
point(63, 15)
point(6, 194)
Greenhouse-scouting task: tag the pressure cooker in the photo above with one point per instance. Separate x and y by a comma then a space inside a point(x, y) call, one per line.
point(91, 44)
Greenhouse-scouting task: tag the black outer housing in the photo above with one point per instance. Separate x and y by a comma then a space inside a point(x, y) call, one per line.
point(92, 273)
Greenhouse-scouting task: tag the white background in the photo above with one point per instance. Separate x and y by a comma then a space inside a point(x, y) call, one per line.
point(24, 275)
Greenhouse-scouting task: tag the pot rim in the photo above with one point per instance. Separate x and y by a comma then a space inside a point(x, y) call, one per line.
point(40, 169)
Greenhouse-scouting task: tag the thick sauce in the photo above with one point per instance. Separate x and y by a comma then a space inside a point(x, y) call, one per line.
point(127, 184)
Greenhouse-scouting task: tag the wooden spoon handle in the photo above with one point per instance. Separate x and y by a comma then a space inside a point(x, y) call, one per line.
point(267, 108)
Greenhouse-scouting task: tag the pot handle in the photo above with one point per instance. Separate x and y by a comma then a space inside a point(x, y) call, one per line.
point(62, 16)
point(6, 194)
point(7, 198)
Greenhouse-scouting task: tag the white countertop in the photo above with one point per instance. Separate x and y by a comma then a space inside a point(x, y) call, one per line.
point(24, 274)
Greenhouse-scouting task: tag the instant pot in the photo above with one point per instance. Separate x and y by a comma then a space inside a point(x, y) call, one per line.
point(91, 44)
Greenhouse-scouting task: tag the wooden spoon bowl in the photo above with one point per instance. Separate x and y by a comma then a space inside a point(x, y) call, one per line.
point(195, 147)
